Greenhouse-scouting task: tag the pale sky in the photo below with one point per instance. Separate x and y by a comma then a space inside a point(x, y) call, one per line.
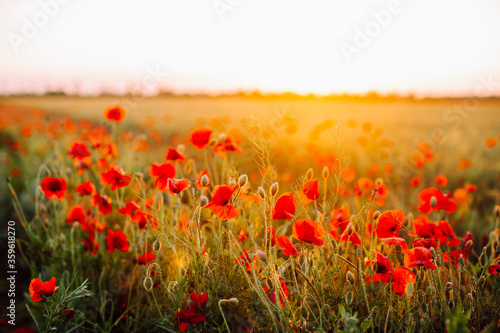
point(423, 47)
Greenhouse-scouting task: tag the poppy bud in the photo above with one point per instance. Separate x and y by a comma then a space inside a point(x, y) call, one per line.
point(382, 247)
point(157, 245)
point(274, 189)
point(350, 277)
point(409, 290)
point(433, 202)
point(359, 252)
point(261, 192)
point(242, 181)
point(482, 280)
point(314, 214)
point(326, 173)
point(203, 201)
point(483, 259)
point(232, 181)
point(348, 298)
point(262, 256)
point(233, 301)
point(204, 181)
point(376, 215)
point(497, 211)
point(468, 244)
point(212, 143)
point(424, 307)
point(461, 261)
point(374, 191)
point(147, 283)
point(309, 174)
point(225, 224)
point(379, 182)
point(350, 229)
point(304, 312)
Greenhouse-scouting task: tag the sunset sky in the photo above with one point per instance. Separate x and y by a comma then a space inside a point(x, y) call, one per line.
point(425, 47)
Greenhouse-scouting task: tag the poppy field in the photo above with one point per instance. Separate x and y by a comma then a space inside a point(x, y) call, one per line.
point(245, 215)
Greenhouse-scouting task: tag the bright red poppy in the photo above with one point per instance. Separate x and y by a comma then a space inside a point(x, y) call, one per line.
point(401, 278)
point(38, 289)
point(389, 223)
point(228, 145)
point(86, 188)
point(415, 181)
point(284, 208)
point(191, 315)
point(242, 236)
point(287, 246)
point(174, 155)
point(78, 150)
point(494, 269)
point(442, 202)
point(283, 293)
point(76, 214)
point(310, 191)
point(162, 172)
point(308, 231)
point(221, 196)
point(419, 256)
point(116, 178)
point(245, 260)
point(425, 242)
point(338, 227)
point(384, 269)
point(200, 137)
point(441, 180)
point(445, 234)
point(117, 240)
point(423, 227)
point(115, 113)
point(464, 251)
point(103, 202)
point(176, 186)
point(145, 258)
point(129, 209)
point(54, 187)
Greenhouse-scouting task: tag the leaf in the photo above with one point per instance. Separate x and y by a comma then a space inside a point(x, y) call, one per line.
point(365, 325)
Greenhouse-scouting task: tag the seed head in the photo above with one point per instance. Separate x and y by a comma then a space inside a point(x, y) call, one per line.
point(204, 181)
point(233, 301)
point(274, 189)
point(262, 256)
point(309, 174)
point(351, 278)
point(262, 193)
point(348, 297)
point(376, 215)
point(242, 181)
point(497, 211)
point(326, 173)
point(203, 201)
point(157, 245)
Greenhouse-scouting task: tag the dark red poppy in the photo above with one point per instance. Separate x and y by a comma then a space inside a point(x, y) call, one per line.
point(76, 214)
point(117, 240)
point(198, 181)
point(221, 196)
point(162, 172)
point(174, 155)
point(287, 246)
point(283, 293)
point(200, 137)
point(308, 231)
point(310, 191)
point(445, 234)
point(389, 223)
point(494, 269)
point(86, 188)
point(419, 256)
point(284, 208)
point(54, 187)
point(129, 209)
point(115, 113)
point(401, 278)
point(145, 258)
point(38, 289)
point(191, 314)
point(428, 243)
point(245, 260)
point(384, 269)
point(68, 313)
point(423, 227)
point(176, 186)
point(116, 178)
point(78, 150)
point(442, 202)
point(103, 202)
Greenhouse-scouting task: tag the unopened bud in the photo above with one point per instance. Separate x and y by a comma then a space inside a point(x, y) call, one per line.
point(482, 280)
point(274, 189)
point(242, 181)
point(233, 301)
point(262, 256)
point(157, 245)
point(212, 144)
point(348, 297)
point(351, 278)
point(262, 193)
point(350, 229)
point(326, 173)
point(379, 182)
point(483, 258)
point(433, 202)
point(203, 201)
point(204, 180)
point(409, 290)
point(461, 261)
point(376, 215)
point(359, 252)
point(309, 174)
point(147, 283)
point(468, 244)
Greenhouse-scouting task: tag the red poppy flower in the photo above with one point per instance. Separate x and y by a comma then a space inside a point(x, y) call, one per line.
point(401, 278)
point(415, 181)
point(54, 187)
point(228, 145)
point(190, 315)
point(242, 236)
point(284, 208)
point(284, 294)
point(444, 234)
point(86, 188)
point(144, 218)
point(200, 137)
point(494, 269)
point(115, 113)
point(76, 214)
point(198, 181)
point(129, 209)
point(104, 203)
point(176, 186)
point(338, 227)
point(308, 231)
point(389, 223)
point(393, 241)
point(245, 260)
point(464, 252)
point(163, 173)
point(384, 270)
point(287, 246)
point(38, 289)
point(219, 204)
point(82, 165)
point(365, 185)
point(425, 242)
point(310, 191)
point(423, 227)
point(441, 180)
point(419, 256)
point(442, 202)
point(68, 313)
point(145, 258)
point(174, 155)
point(116, 178)
point(117, 240)
point(78, 150)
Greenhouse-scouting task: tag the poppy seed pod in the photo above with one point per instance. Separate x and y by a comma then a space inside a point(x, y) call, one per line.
point(262, 256)
point(204, 181)
point(233, 301)
point(242, 181)
point(304, 312)
point(483, 259)
point(379, 182)
point(261, 192)
point(350, 229)
point(147, 283)
point(350, 278)
point(212, 143)
point(348, 298)
point(203, 201)
point(326, 173)
point(376, 215)
point(433, 202)
point(424, 307)
point(461, 261)
point(309, 174)
point(274, 189)
point(157, 245)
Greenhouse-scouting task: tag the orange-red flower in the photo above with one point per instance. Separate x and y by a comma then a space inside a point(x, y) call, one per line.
point(310, 191)
point(389, 223)
point(419, 256)
point(174, 155)
point(38, 289)
point(442, 202)
point(284, 294)
point(176, 186)
point(308, 231)
point(338, 227)
point(228, 145)
point(400, 277)
point(425, 242)
point(200, 137)
point(86, 188)
point(117, 240)
point(115, 113)
point(163, 173)
point(103, 202)
point(415, 181)
point(191, 315)
point(245, 260)
point(145, 258)
point(284, 208)
point(116, 178)
point(441, 180)
point(54, 187)
point(129, 209)
point(444, 234)
point(78, 150)
point(76, 214)
point(287, 246)
point(221, 196)
point(494, 269)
